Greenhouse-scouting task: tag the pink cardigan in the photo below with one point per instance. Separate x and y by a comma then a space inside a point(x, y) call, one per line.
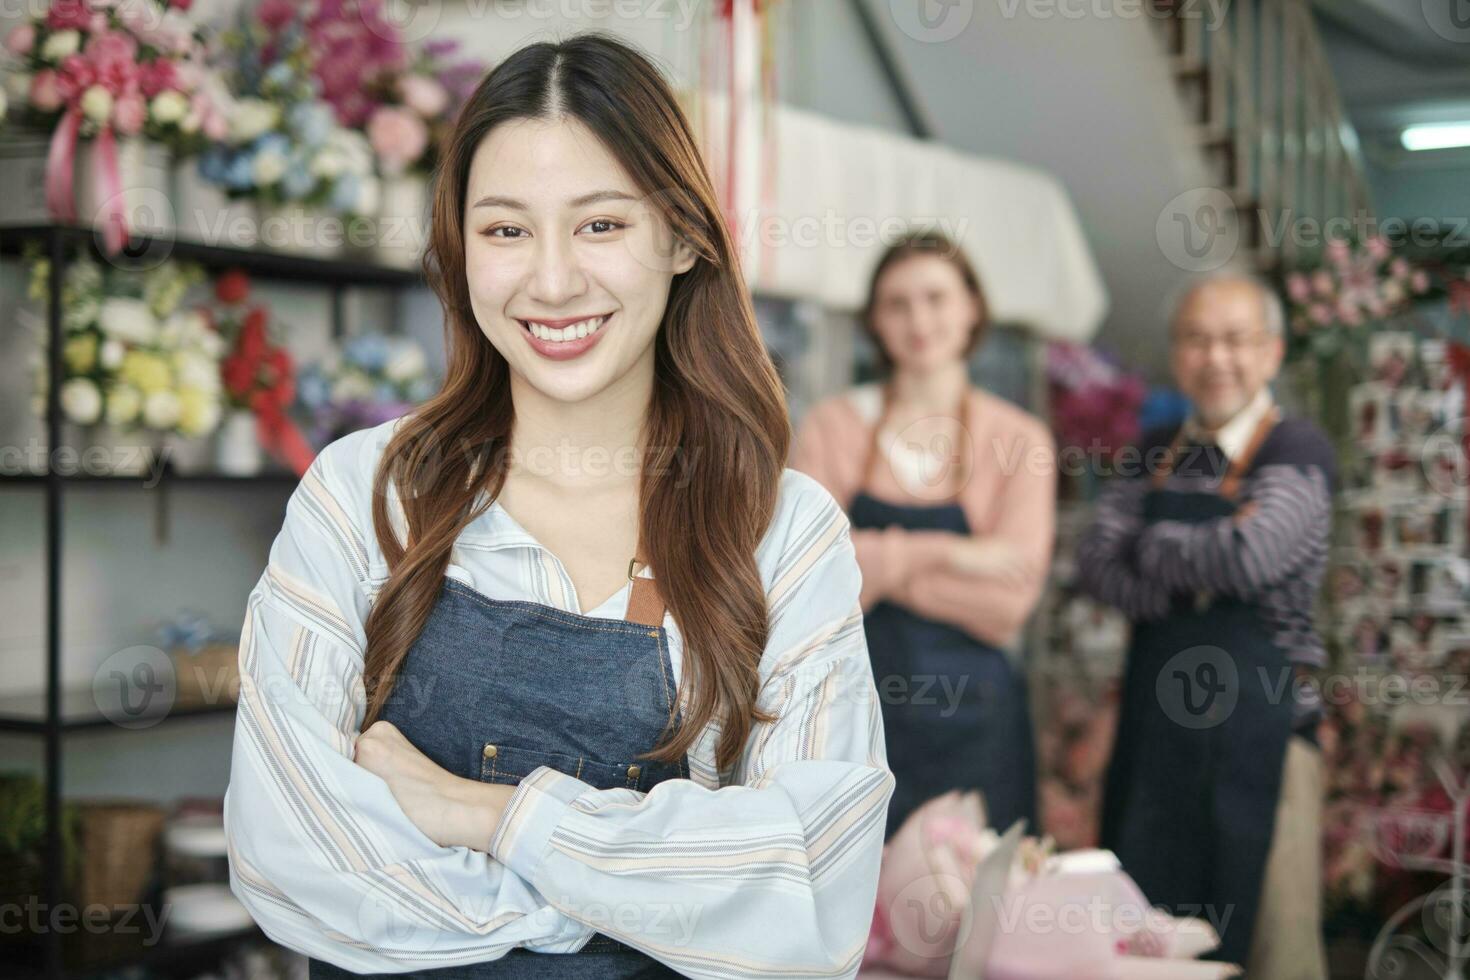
point(1011, 494)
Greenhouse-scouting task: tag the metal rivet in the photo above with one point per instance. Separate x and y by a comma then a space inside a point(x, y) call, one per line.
point(490, 751)
point(633, 772)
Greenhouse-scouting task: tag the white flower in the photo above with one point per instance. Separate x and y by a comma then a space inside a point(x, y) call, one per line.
point(18, 87)
point(59, 45)
point(351, 386)
point(124, 402)
point(81, 402)
point(328, 163)
point(196, 371)
point(405, 363)
point(251, 118)
point(97, 103)
point(161, 410)
point(268, 168)
point(168, 107)
point(111, 354)
point(127, 319)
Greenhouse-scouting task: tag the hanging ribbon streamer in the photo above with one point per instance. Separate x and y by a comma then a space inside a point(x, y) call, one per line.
point(277, 433)
point(61, 159)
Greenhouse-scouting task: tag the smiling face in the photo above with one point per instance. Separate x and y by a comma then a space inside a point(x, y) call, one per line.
point(1222, 353)
point(568, 265)
point(923, 313)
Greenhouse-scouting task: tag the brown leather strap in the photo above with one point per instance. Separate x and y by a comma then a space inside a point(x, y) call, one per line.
point(1230, 486)
point(645, 602)
point(1230, 482)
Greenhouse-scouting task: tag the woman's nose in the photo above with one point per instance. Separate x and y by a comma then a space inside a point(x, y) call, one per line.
point(556, 275)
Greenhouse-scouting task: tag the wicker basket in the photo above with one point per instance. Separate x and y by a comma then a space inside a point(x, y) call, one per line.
point(209, 677)
point(120, 841)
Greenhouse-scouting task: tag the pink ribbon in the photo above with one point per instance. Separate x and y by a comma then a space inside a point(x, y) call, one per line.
point(60, 176)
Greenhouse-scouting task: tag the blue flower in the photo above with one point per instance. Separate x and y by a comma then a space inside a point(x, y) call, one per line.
point(346, 192)
point(368, 351)
point(213, 163)
point(240, 172)
point(311, 122)
point(298, 180)
point(312, 388)
point(279, 74)
point(273, 142)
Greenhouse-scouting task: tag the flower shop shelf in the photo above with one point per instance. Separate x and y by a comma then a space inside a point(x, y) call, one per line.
point(101, 707)
point(282, 480)
point(259, 261)
point(96, 954)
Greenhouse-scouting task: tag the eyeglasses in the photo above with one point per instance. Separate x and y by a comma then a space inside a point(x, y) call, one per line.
point(1235, 343)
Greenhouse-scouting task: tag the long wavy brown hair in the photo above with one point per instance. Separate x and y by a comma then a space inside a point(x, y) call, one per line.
point(716, 431)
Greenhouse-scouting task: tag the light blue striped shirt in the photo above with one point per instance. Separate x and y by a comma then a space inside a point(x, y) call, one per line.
point(768, 869)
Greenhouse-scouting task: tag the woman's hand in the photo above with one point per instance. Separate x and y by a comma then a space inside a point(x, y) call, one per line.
point(990, 558)
point(450, 810)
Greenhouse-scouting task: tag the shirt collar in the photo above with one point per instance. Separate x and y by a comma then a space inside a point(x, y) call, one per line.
point(1235, 435)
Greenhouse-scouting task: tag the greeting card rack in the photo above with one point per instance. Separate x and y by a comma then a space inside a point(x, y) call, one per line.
point(53, 712)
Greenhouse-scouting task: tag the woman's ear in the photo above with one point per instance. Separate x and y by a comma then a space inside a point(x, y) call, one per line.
point(684, 257)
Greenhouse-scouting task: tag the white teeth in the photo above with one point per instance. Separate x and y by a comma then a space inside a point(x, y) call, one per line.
point(574, 332)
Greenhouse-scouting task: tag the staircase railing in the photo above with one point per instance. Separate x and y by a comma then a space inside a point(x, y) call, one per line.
point(1270, 119)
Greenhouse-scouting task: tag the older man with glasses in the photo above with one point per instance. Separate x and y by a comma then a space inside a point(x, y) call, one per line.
point(1215, 548)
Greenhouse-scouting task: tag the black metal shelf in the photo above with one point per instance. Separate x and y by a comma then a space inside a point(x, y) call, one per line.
point(90, 954)
point(54, 711)
point(83, 708)
point(262, 262)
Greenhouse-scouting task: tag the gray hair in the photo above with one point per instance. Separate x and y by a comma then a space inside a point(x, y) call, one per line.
point(1273, 313)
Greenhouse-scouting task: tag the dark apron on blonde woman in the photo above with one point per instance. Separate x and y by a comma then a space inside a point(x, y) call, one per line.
point(493, 688)
point(955, 711)
point(1192, 787)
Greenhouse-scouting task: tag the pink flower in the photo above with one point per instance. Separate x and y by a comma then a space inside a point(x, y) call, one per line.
point(21, 39)
point(1320, 314)
point(129, 113)
point(1419, 281)
point(1338, 252)
point(1298, 288)
point(74, 77)
point(157, 76)
point(1349, 313)
point(423, 95)
point(112, 48)
point(275, 14)
point(68, 15)
point(1399, 268)
point(1322, 283)
point(45, 92)
point(398, 137)
point(1378, 248)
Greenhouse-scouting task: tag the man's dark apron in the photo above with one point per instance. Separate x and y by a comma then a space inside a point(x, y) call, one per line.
point(955, 713)
point(493, 688)
point(1192, 786)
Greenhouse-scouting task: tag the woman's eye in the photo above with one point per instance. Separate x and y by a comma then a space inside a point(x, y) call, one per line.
point(506, 228)
point(603, 225)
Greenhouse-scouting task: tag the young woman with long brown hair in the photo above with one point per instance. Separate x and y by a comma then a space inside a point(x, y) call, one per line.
point(566, 660)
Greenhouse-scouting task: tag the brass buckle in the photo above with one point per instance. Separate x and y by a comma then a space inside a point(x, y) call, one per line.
point(631, 563)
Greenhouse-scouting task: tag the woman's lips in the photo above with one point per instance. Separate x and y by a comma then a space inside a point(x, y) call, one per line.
point(563, 350)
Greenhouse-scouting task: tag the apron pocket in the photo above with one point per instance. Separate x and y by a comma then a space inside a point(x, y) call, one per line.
point(506, 762)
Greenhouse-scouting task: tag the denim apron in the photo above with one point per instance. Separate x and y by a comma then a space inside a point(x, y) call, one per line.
point(1206, 710)
point(493, 688)
point(955, 711)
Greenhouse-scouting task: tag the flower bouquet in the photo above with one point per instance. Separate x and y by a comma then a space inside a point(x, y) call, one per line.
point(372, 379)
point(1095, 406)
point(928, 910)
point(135, 363)
point(414, 110)
point(259, 380)
point(127, 77)
point(285, 149)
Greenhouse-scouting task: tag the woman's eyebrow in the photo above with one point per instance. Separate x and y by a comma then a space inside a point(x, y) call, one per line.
point(496, 200)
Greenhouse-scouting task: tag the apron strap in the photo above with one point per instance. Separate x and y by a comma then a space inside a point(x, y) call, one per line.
point(645, 602)
point(1230, 482)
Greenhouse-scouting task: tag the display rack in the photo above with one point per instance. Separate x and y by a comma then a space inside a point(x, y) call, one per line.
point(54, 712)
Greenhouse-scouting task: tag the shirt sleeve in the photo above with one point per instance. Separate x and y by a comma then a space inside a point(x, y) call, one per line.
point(1289, 525)
point(1105, 565)
point(992, 610)
point(320, 853)
point(775, 873)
